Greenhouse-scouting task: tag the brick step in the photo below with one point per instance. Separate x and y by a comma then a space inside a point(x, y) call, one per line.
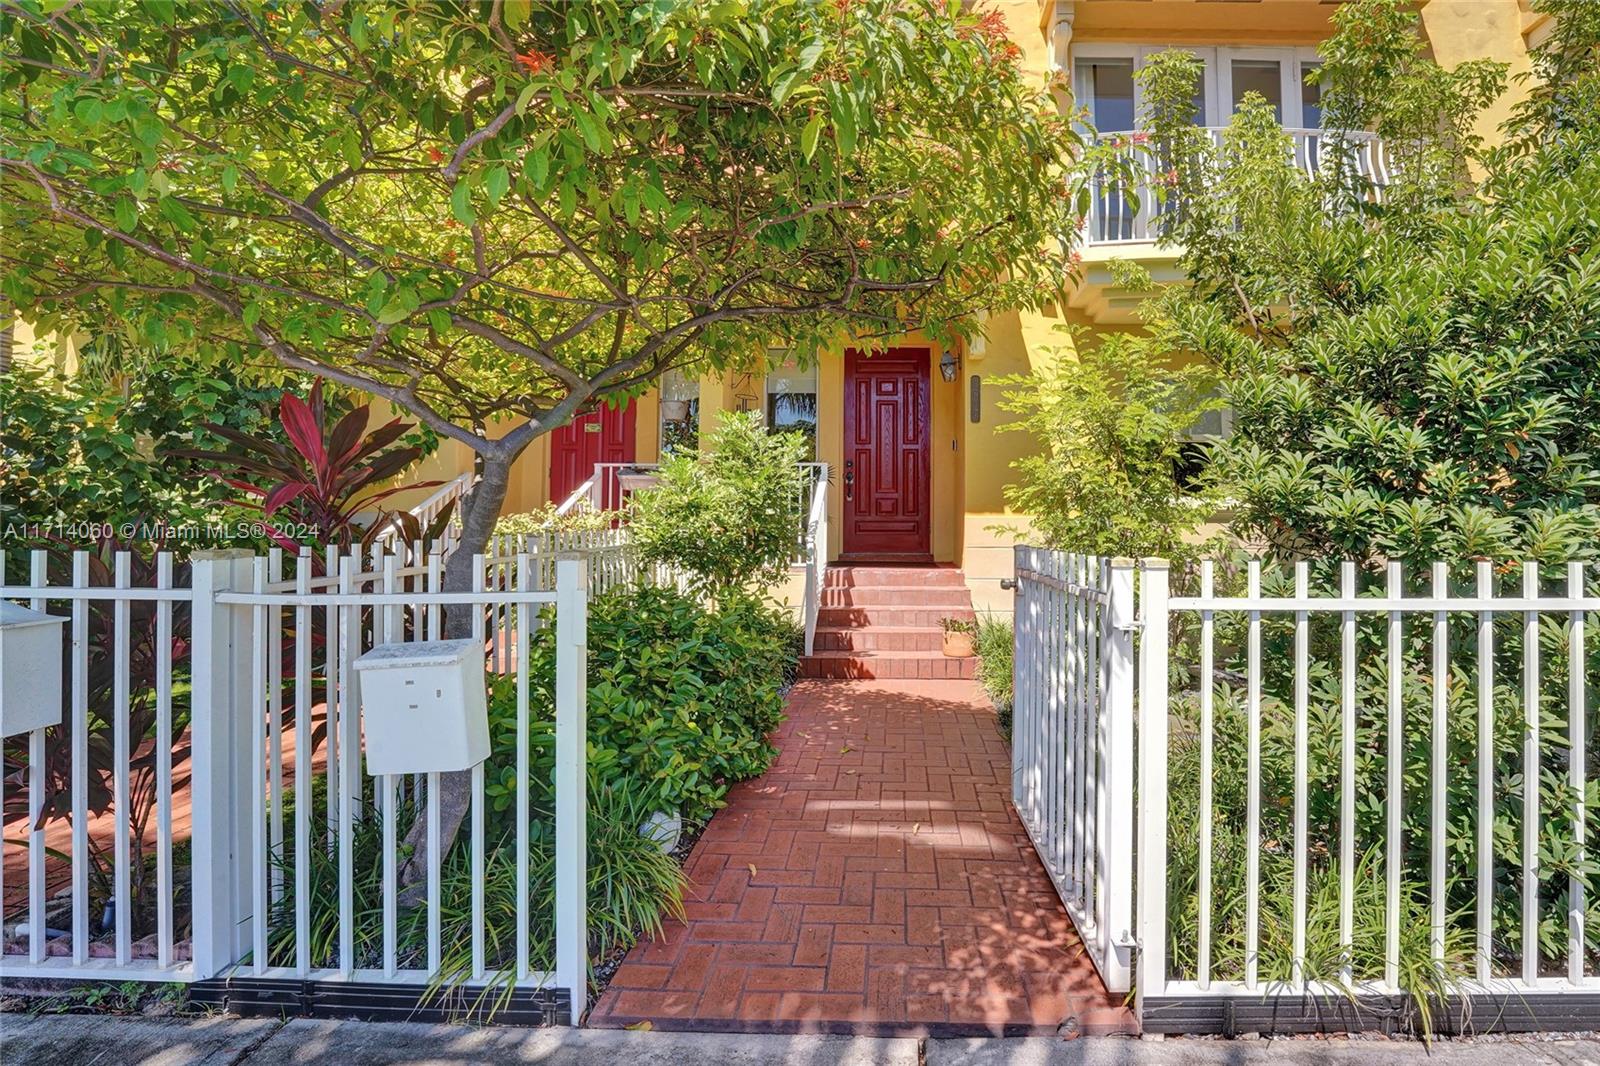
point(897, 596)
point(886, 615)
point(893, 664)
point(895, 576)
point(879, 638)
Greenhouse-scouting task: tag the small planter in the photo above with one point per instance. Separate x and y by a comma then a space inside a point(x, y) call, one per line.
point(957, 645)
point(959, 633)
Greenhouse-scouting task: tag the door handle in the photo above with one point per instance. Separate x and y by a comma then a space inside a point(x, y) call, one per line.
point(849, 482)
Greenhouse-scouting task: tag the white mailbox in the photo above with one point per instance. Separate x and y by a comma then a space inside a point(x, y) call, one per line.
point(423, 707)
point(30, 669)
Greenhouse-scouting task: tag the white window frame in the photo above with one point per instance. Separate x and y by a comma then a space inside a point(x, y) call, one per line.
point(1218, 85)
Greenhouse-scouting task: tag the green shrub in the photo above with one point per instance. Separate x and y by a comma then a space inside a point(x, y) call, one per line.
point(84, 450)
point(727, 516)
point(681, 699)
point(545, 519)
point(1108, 424)
point(993, 645)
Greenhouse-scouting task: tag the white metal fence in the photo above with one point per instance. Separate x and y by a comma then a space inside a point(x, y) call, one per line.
point(1072, 740)
point(244, 682)
point(1348, 781)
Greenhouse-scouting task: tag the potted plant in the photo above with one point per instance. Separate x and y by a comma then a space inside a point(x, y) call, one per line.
point(958, 636)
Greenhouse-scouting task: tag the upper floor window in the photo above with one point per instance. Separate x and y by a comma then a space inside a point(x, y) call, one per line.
point(1104, 81)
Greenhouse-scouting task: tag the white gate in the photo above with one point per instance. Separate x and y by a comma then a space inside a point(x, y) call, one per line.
point(1072, 740)
point(1330, 801)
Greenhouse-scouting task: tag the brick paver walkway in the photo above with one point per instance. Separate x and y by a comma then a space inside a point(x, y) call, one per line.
point(874, 880)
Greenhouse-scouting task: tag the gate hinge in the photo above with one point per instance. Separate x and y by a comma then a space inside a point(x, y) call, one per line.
point(1127, 940)
point(1130, 627)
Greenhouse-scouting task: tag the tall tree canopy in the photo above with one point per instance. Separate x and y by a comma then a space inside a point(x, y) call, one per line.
point(484, 211)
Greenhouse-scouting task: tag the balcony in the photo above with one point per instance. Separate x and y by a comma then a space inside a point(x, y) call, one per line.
point(1127, 222)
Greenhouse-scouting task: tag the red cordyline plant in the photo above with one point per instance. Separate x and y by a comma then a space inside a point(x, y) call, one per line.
point(330, 482)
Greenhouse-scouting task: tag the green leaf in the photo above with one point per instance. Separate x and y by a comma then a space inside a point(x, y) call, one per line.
point(461, 203)
point(176, 213)
point(393, 311)
point(809, 135)
point(230, 178)
point(536, 165)
point(496, 184)
point(127, 212)
point(784, 85)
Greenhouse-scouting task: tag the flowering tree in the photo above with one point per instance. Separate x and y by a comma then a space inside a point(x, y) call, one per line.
point(496, 215)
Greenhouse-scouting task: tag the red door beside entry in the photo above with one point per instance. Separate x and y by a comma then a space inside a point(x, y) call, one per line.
point(603, 436)
point(886, 476)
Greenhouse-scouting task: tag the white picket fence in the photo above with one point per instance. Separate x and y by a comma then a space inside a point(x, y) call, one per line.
point(263, 848)
point(1340, 705)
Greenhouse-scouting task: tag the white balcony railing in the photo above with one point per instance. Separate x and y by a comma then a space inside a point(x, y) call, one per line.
point(1132, 213)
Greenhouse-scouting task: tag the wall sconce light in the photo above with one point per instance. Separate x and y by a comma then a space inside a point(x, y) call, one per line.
point(948, 365)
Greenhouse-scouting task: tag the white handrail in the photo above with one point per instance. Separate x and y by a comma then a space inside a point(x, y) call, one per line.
point(582, 494)
point(426, 511)
point(816, 553)
point(1119, 214)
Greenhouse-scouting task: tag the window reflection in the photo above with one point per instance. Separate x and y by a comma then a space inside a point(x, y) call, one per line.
point(792, 403)
point(680, 413)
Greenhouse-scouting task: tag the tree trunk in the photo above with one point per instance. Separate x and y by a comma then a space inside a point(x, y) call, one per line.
point(479, 510)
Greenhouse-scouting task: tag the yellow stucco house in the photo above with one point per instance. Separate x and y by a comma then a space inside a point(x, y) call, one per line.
point(912, 435)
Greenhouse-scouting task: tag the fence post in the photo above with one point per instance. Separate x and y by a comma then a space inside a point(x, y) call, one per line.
point(572, 876)
point(219, 730)
point(1116, 919)
point(1152, 805)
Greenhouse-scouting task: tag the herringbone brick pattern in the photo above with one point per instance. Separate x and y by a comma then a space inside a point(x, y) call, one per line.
point(875, 879)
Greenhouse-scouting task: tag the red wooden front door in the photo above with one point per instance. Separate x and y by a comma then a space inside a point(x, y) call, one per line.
point(603, 436)
point(886, 469)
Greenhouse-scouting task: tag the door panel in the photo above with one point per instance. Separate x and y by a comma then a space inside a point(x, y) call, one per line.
point(603, 436)
point(887, 473)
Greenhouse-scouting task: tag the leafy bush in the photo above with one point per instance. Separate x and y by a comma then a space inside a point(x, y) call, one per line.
point(325, 484)
point(1413, 375)
point(1108, 428)
point(727, 516)
point(544, 519)
point(681, 699)
point(82, 450)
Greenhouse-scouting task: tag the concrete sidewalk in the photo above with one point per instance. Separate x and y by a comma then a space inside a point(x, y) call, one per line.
point(98, 1040)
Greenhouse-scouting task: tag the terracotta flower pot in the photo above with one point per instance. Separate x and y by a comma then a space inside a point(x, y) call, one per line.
point(958, 645)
